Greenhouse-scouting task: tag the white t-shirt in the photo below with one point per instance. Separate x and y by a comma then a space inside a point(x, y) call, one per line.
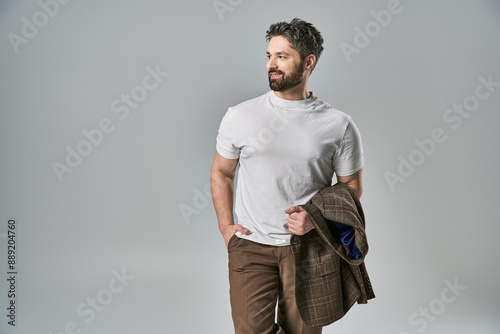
point(288, 151)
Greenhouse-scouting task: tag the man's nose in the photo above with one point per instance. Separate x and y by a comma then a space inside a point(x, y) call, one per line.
point(271, 64)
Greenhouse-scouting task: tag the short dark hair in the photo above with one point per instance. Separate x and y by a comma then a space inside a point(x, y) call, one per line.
point(303, 36)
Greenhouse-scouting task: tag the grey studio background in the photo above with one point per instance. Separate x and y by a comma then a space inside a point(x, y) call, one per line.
point(123, 238)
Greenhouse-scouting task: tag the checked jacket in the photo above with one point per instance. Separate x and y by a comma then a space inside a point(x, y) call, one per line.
point(327, 281)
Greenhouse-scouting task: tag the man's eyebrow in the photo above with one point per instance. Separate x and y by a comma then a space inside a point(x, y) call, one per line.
point(279, 53)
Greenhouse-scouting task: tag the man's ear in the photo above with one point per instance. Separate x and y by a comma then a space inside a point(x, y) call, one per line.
point(309, 62)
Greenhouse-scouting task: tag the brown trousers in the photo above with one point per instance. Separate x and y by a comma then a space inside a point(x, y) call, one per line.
point(260, 275)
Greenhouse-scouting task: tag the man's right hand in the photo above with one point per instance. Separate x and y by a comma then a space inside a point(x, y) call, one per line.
point(231, 230)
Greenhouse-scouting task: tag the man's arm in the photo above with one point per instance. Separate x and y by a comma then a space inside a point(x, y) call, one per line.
point(355, 181)
point(222, 187)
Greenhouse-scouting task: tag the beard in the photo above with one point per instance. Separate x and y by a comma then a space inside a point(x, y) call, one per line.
point(286, 81)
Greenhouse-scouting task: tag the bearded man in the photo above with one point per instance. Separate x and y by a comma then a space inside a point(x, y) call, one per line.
point(288, 145)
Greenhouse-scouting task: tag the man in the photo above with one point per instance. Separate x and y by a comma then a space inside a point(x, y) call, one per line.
point(288, 144)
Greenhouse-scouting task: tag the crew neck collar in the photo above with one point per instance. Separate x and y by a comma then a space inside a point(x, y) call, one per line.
point(292, 104)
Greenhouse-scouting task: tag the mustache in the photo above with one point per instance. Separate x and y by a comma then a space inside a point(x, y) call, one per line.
point(276, 72)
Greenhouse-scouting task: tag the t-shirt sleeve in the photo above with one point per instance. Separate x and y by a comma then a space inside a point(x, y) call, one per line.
point(225, 138)
point(350, 157)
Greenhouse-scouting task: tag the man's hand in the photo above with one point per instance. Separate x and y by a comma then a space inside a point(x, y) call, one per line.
point(231, 230)
point(299, 222)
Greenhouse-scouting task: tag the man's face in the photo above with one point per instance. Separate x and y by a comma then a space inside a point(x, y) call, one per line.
point(284, 66)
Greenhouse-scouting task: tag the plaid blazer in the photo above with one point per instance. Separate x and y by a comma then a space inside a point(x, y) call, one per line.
point(327, 281)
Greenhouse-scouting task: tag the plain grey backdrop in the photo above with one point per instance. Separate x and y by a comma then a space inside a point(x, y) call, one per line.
point(126, 240)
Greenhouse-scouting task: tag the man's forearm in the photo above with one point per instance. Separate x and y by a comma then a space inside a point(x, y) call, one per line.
point(222, 187)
